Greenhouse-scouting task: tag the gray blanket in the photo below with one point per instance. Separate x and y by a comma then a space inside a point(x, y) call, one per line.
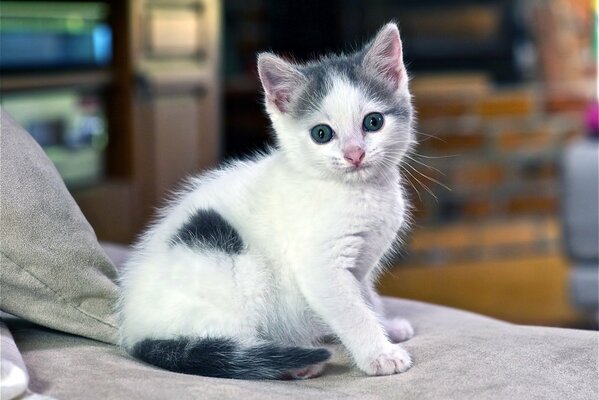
point(458, 355)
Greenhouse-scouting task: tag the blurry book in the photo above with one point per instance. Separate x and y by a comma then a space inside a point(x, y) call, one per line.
point(71, 128)
point(36, 35)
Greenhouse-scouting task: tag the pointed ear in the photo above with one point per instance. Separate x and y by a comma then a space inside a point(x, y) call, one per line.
point(384, 56)
point(279, 80)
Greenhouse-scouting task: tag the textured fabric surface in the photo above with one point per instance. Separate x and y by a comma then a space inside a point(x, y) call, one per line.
point(14, 378)
point(458, 355)
point(53, 271)
point(13, 373)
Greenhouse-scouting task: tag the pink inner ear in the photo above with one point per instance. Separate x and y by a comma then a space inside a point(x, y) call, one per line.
point(281, 100)
point(385, 55)
point(391, 64)
point(279, 79)
point(395, 68)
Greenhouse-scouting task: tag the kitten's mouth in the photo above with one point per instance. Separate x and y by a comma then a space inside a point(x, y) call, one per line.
point(358, 168)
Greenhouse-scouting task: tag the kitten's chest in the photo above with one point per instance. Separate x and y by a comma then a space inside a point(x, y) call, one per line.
point(362, 221)
point(370, 225)
point(370, 211)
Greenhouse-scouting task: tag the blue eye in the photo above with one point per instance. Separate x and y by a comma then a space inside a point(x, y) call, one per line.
point(373, 122)
point(322, 133)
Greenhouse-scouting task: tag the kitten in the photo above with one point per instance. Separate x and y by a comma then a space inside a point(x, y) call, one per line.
point(253, 264)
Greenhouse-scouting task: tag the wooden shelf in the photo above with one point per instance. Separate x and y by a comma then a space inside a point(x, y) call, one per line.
point(162, 107)
point(51, 80)
point(110, 208)
point(527, 290)
point(177, 77)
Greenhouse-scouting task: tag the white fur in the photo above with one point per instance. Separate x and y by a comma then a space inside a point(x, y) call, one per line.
point(315, 231)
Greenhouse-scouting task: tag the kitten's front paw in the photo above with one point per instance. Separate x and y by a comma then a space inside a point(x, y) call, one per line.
point(392, 360)
point(399, 330)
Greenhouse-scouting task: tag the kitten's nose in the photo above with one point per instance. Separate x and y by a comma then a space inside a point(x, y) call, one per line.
point(354, 155)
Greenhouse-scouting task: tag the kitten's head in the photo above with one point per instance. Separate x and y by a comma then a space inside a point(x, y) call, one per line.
point(343, 116)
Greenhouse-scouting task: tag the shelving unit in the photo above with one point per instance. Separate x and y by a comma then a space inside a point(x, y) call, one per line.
point(95, 78)
point(161, 98)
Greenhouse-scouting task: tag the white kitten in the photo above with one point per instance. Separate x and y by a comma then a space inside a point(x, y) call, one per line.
point(253, 264)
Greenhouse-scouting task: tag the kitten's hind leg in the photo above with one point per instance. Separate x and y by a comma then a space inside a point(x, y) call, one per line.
point(312, 371)
point(398, 329)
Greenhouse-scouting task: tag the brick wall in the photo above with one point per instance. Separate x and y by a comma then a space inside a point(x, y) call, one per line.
point(497, 152)
point(495, 155)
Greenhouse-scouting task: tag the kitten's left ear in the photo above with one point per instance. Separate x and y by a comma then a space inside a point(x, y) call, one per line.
point(384, 56)
point(279, 79)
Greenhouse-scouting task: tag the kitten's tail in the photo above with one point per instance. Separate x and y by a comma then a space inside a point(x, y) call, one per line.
point(226, 358)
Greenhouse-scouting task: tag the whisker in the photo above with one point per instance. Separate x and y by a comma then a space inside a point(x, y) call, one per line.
point(412, 184)
point(429, 178)
point(428, 136)
point(424, 164)
point(435, 157)
point(421, 184)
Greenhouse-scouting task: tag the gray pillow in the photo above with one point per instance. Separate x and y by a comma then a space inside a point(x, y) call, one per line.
point(53, 271)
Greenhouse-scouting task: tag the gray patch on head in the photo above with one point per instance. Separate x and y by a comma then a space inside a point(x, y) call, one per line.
point(319, 75)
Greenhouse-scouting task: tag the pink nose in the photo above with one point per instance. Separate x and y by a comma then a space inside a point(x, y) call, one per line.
point(354, 156)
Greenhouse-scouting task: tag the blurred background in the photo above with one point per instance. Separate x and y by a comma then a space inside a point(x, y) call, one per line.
point(127, 97)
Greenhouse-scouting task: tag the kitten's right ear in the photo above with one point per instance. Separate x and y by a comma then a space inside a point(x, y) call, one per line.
point(279, 80)
point(384, 56)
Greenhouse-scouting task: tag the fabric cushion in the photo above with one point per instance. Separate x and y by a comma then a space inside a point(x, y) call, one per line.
point(54, 272)
point(14, 377)
point(12, 368)
point(457, 355)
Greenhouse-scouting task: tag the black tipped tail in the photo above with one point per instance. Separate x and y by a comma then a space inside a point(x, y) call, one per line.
point(225, 358)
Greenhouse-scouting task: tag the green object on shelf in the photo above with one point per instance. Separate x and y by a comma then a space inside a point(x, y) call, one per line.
point(81, 167)
point(51, 16)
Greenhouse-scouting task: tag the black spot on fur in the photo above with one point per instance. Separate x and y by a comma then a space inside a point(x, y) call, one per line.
point(225, 358)
point(207, 228)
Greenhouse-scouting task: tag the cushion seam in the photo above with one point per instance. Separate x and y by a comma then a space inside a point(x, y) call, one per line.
point(65, 301)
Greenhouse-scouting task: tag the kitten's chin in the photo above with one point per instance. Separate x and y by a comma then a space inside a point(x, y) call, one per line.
point(363, 173)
